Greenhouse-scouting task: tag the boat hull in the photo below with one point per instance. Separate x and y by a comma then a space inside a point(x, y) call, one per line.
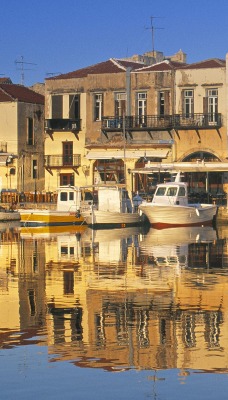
point(100, 219)
point(34, 218)
point(161, 216)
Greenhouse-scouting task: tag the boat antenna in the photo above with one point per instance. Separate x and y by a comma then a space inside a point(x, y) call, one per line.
point(178, 177)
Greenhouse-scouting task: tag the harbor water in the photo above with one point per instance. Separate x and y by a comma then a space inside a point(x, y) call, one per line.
point(113, 314)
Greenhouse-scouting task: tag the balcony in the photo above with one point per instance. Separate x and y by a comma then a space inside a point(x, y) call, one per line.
point(60, 161)
point(61, 125)
point(162, 122)
point(136, 123)
point(197, 121)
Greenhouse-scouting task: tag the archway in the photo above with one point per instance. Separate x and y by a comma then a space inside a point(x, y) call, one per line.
point(208, 183)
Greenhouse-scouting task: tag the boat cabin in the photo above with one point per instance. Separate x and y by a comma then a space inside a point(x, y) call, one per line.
point(113, 198)
point(172, 193)
point(70, 197)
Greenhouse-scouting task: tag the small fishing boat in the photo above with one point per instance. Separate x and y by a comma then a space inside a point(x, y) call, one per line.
point(113, 209)
point(66, 212)
point(170, 207)
point(7, 215)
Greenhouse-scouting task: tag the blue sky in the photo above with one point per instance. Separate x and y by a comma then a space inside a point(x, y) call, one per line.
point(59, 36)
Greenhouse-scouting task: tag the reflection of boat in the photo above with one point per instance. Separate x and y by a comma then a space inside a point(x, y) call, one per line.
point(113, 209)
point(9, 215)
point(170, 207)
point(67, 211)
point(171, 246)
point(51, 231)
point(110, 245)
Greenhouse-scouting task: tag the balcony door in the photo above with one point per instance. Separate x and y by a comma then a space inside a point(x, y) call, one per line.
point(188, 103)
point(212, 104)
point(120, 104)
point(142, 107)
point(67, 153)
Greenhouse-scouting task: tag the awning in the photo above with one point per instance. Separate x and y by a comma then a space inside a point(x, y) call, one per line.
point(121, 154)
point(200, 166)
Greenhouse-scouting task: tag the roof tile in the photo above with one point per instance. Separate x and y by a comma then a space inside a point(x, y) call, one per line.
point(111, 66)
point(11, 92)
point(210, 63)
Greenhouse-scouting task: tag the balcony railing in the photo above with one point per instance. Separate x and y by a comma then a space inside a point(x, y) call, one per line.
point(60, 161)
point(197, 121)
point(60, 124)
point(162, 122)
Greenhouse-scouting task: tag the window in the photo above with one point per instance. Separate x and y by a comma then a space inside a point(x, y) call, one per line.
point(57, 107)
point(161, 103)
point(67, 153)
point(164, 103)
point(63, 196)
point(30, 132)
point(74, 106)
point(98, 107)
point(120, 104)
point(171, 191)
point(160, 191)
point(188, 103)
point(141, 107)
point(182, 191)
point(66, 179)
point(212, 97)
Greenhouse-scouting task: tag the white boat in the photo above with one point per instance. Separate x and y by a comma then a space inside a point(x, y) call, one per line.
point(66, 212)
point(170, 207)
point(113, 209)
point(7, 215)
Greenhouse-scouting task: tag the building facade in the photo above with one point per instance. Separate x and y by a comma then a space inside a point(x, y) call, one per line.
point(21, 139)
point(107, 121)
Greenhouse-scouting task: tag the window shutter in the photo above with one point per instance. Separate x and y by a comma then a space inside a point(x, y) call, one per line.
point(205, 105)
point(167, 102)
point(182, 103)
point(57, 107)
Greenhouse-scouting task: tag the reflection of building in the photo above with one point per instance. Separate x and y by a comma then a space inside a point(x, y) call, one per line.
point(125, 310)
point(153, 315)
point(22, 303)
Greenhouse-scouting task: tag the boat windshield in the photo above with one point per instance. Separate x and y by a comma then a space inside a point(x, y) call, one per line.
point(160, 191)
point(172, 191)
point(182, 191)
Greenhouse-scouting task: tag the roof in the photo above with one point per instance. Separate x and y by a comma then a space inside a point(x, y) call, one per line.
point(210, 63)
point(162, 66)
point(5, 80)
point(11, 92)
point(111, 66)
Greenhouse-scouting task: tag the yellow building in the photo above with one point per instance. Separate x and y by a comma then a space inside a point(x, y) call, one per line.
point(21, 138)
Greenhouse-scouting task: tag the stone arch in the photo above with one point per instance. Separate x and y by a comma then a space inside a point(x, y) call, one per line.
point(196, 154)
point(208, 183)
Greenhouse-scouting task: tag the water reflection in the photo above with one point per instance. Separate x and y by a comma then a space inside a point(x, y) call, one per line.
point(117, 299)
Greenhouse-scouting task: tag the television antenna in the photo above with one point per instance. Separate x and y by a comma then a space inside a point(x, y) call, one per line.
point(152, 29)
point(22, 68)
